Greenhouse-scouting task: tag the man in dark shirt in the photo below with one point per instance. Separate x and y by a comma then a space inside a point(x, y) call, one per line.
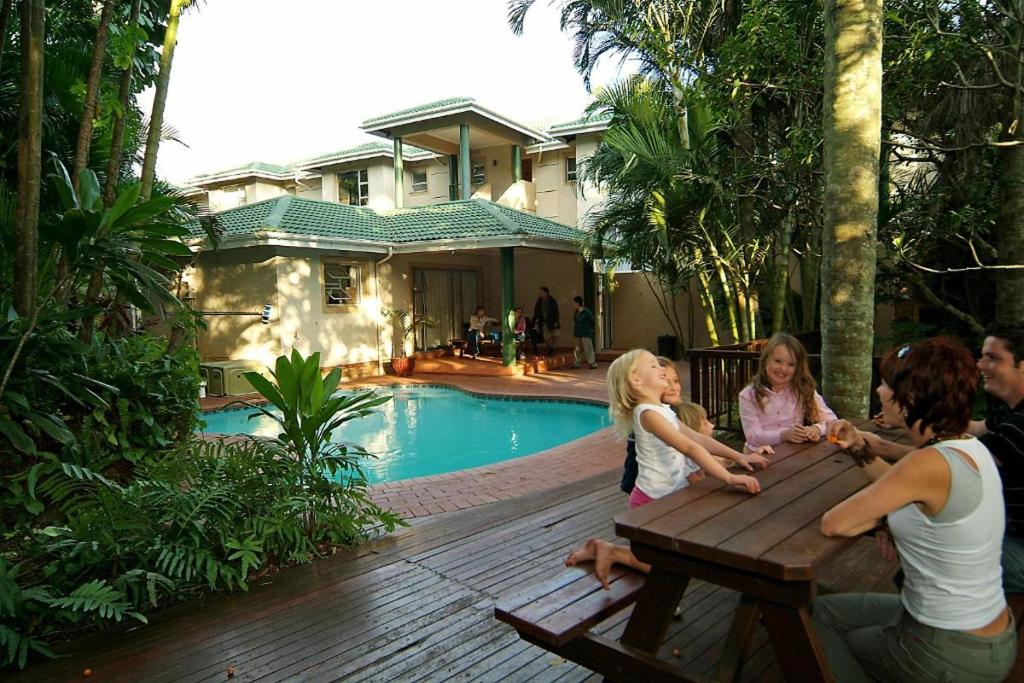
point(1002, 370)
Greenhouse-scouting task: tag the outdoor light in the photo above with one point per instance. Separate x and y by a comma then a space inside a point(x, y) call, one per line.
point(265, 318)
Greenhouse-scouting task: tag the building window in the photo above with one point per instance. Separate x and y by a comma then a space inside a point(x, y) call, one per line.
point(570, 169)
point(354, 186)
point(341, 283)
point(478, 173)
point(419, 181)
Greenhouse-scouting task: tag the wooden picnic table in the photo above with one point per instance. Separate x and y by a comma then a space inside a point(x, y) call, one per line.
point(768, 547)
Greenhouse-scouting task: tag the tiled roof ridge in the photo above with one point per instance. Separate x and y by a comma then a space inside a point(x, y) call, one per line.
point(492, 208)
point(442, 103)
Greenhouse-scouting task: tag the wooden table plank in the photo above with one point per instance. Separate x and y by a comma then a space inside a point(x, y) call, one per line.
point(766, 512)
point(744, 549)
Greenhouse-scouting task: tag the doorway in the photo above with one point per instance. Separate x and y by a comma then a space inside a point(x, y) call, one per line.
point(446, 295)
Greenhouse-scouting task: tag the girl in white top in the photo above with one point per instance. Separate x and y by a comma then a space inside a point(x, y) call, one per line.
point(477, 323)
point(665, 455)
point(945, 512)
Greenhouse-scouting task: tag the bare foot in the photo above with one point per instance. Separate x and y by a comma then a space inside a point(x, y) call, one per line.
point(603, 560)
point(584, 553)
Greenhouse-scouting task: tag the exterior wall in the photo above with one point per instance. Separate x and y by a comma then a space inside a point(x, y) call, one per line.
point(637, 319)
point(556, 198)
point(258, 191)
point(437, 182)
point(560, 272)
point(587, 195)
point(342, 335)
point(237, 281)
point(312, 188)
point(381, 175)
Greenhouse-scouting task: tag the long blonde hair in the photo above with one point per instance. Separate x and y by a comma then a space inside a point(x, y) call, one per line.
point(691, 414)
point(621, 401)
point(803, 384)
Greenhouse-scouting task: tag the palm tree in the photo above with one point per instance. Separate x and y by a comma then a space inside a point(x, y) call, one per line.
point(92, 89)
point(124, 95)
point(30, 140)
point(163, 82)
point(853, 118)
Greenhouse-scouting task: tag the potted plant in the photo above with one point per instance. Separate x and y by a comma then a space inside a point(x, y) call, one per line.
point(404, 324)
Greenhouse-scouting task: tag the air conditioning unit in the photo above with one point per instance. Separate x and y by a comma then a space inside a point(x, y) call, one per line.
point(227, 377)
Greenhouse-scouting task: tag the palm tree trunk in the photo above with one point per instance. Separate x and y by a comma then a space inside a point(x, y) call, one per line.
point(30, 147)
point(810, 282)
point(5, 22)
point(92, 89)
point(709, 307)
point(780, 280)
point(163, 81)
point(852, 123)
point(124, 94)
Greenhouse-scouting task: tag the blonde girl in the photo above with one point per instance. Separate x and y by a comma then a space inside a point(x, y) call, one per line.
point(666, 452)
point(636, 383)
point(782, 403)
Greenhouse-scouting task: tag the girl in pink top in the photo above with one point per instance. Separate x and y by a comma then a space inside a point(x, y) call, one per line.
point(782, 403)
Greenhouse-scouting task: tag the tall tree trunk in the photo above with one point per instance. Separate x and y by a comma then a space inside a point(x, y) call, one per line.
point(708, 300)
point(1010, 233)
point(5, 23)
point(124, 94)
point(92, 91)
point(30, 148)
point(852, 122)
point(156, 118)
point(780, 280)
point(810, 282)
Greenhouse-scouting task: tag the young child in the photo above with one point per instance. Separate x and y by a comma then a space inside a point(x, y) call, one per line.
point(782, 403)
point(694, 423)
point(636, 384)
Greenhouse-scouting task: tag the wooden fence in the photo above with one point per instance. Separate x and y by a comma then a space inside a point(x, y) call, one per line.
point(719, 373)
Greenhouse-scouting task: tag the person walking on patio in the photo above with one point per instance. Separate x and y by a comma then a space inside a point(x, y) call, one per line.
point(944, 506)
point(583, 326)
point(545, 317)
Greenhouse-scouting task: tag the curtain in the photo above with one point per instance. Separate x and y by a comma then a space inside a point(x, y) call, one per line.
point(447, 296)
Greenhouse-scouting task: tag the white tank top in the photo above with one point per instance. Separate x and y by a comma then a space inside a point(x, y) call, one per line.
point(661, 469)
point(953, 568)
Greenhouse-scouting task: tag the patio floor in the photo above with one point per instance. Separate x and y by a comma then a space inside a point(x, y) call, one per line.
point(416, 607)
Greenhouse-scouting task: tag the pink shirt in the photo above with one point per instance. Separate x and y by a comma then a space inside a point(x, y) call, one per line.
point(763, 425)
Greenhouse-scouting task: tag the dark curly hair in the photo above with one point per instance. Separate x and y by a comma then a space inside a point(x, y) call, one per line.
point(934, 381)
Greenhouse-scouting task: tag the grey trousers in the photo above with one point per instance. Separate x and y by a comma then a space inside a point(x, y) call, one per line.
point(870, 637)
point(584, 347)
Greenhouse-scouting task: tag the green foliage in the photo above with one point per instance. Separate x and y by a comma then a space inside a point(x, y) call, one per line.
point(405, 324)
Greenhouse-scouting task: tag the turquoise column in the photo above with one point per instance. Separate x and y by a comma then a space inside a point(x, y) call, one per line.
point(453, 177)
point(464, 161)
point(399, 175)
point(508, 304)
point(517, 163)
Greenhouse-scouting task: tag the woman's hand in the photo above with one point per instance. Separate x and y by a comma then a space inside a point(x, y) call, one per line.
point(744, 481)
point(843, 434)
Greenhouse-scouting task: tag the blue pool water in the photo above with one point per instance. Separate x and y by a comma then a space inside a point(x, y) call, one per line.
point(433, 430)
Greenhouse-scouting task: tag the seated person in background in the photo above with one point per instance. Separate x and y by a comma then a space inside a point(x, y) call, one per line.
point(477, 322)
point(782, 403)
point(944, 505)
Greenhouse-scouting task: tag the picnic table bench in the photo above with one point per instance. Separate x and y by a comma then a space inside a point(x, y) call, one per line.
point(768, 547)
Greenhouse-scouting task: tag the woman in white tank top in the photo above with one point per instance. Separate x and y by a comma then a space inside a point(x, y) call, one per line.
point(944, 505)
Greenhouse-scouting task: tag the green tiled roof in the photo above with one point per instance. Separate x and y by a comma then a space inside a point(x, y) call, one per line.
point(255, 167)
point(474, 218)
point(586, 120)
point(366, 148)
point(419, 109)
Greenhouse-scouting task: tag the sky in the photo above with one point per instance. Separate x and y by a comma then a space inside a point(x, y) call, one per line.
point(273, 81)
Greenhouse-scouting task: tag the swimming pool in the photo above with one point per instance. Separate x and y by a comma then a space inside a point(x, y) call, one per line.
point(427, 430)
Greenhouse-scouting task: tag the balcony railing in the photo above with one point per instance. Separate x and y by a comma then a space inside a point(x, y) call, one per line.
point(719, 373)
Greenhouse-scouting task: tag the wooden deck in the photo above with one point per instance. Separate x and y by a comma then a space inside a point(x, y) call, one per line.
point(415, 607)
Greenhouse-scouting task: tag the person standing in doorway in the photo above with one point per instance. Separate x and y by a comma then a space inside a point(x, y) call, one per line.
point(583, 324)
point(545, 317)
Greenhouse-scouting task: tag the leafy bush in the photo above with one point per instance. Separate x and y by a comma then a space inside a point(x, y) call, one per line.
point(195, 516)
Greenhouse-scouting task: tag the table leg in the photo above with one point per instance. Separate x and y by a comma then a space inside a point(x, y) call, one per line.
point(797, 649)
point(743, 624)
point(654, 608)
